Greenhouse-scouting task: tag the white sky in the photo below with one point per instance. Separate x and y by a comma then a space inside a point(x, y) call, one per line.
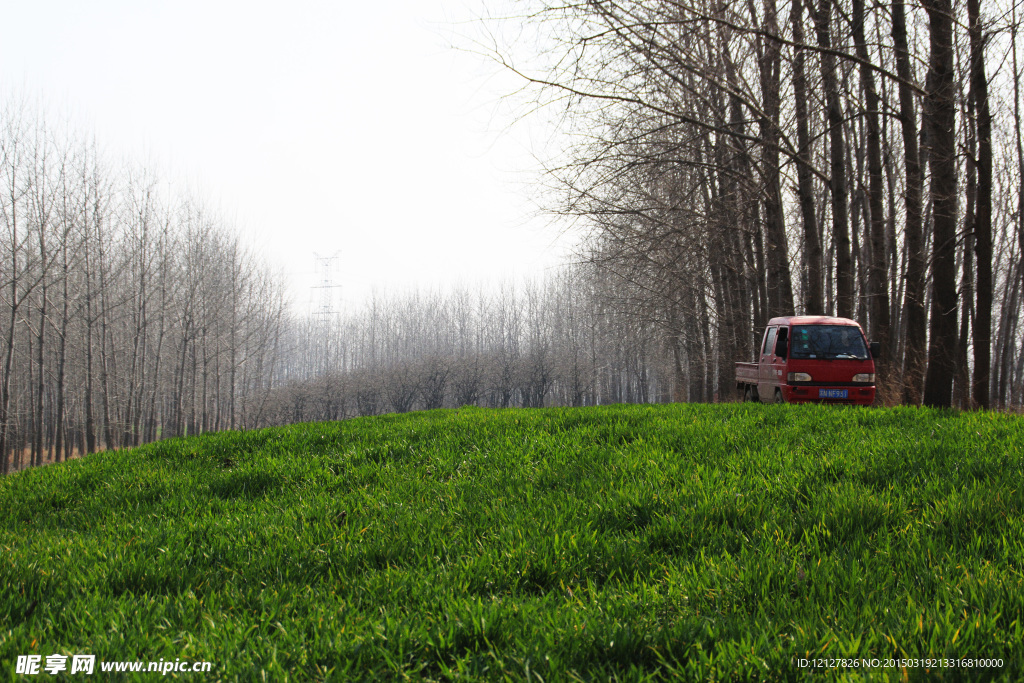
point(318, 126)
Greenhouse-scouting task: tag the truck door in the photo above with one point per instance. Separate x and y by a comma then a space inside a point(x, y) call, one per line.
point(780, 353)
point(765, 369)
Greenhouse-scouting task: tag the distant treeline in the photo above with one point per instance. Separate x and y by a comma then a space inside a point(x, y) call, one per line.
point(555, 341)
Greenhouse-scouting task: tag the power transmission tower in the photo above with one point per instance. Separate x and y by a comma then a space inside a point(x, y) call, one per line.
point(325, 266)
point(323, 344)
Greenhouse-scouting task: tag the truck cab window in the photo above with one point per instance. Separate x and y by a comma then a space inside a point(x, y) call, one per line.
point(769, 340)
point(781, 347)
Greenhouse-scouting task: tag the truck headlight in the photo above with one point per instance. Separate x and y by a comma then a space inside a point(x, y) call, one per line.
point(798, 377)
point(864, 377)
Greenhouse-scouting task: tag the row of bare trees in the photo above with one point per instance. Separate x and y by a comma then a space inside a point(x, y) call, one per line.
point(733, 161)
point(126, 314)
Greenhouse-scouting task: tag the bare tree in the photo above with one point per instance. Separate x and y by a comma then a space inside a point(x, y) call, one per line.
point(940, 120)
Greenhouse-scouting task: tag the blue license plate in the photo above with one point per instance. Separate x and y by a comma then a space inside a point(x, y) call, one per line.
point(832, 393)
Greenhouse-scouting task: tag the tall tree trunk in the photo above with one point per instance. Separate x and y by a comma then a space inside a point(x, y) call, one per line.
point(37, 436)
point(755, 296)
point(27, 431)
point(962, 378)
point(136, 380)
point(940, 122)
point(151, 418)
point(858, 213)
point(837, 155)
point(179, 393)
point(878, 289)
point(11, 219)
point(914, 310)
point(814, 303)
point(62, 356)
point(1018, 282)
point(106, 351)
point(5, 383)
point(731, 154)
point(779, 280)
point(90, 419)
point(983, 211)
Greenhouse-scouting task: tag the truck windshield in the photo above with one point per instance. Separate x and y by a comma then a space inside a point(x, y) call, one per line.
point(827, 341)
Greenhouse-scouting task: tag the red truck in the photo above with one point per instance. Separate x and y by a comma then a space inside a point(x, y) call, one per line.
point(811, 358)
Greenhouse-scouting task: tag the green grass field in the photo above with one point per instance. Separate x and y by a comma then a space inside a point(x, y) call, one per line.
point(615, 543)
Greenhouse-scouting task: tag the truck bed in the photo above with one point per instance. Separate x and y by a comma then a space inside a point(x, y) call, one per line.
point(746, 373)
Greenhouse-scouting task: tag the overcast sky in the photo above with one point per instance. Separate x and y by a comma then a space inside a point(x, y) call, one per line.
point(317, 127)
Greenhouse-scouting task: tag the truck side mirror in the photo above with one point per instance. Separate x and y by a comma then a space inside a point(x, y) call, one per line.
point(876, 349)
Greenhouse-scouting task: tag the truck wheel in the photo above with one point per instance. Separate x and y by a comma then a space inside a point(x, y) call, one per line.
point(748, 396)
point(778, 396)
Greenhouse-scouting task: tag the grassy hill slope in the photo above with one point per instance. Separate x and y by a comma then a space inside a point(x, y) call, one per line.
point(643, 542)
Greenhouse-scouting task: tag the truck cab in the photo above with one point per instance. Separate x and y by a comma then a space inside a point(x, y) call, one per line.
point(811, 358)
